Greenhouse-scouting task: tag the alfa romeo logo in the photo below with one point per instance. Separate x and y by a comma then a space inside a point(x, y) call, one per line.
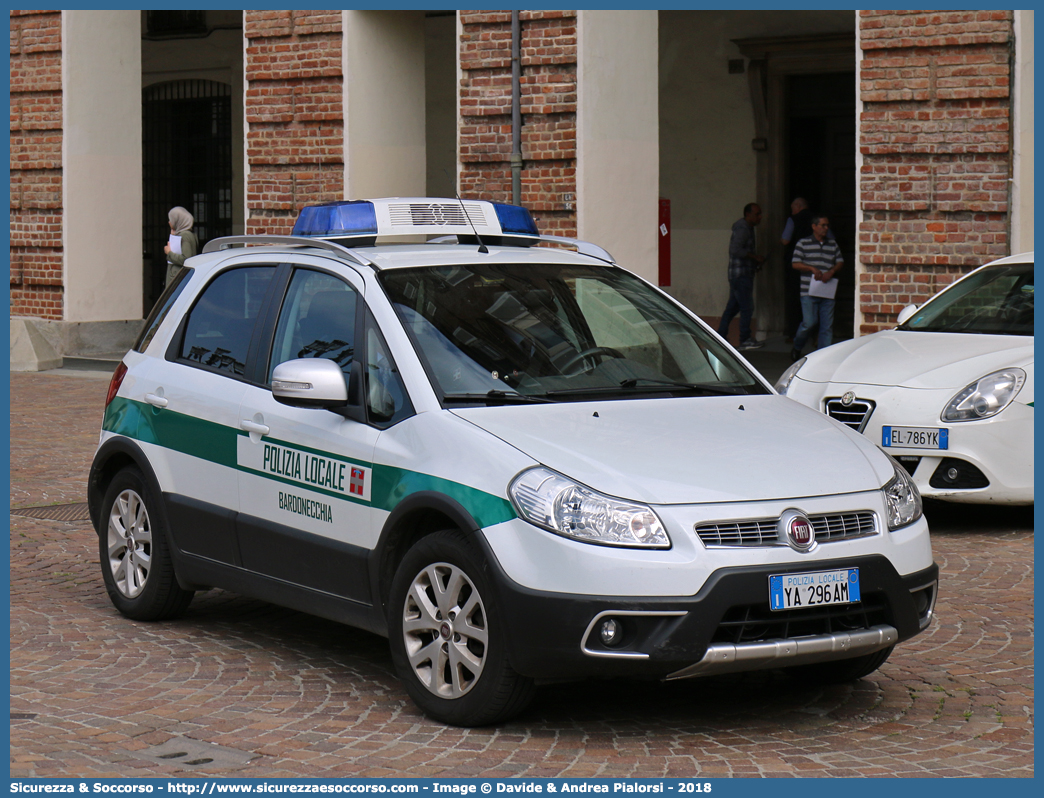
point(848, 398)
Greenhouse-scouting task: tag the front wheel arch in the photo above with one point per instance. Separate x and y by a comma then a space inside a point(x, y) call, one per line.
point(415, 517)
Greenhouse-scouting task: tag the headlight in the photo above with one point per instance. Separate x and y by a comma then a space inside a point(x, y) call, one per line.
point(567, 508)
point(784, 381)
point(985, 397)
point(902, 498)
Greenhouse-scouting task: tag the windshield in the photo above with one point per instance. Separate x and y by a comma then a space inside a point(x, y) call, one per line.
point(997, 300)
point(540, 332)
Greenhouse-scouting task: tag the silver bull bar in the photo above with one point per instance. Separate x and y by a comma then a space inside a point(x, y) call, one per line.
point(729, 658)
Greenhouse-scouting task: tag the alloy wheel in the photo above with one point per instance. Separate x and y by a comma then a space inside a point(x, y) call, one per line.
point(129, 543)
point(445, 630)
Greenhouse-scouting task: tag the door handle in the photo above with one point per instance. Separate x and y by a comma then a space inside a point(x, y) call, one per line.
point(156, 400)
point(253, 426)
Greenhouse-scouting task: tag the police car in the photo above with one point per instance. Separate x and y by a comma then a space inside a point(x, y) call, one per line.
point(519, 463)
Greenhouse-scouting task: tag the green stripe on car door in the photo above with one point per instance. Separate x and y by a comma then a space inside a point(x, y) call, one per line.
point(391, 485)
point(216, 443)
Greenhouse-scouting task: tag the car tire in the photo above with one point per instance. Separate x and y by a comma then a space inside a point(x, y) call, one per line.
point(447, 641)
point(135, 553)
point(843, 670)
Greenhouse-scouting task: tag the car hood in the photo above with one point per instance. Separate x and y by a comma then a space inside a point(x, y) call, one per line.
point(917, 359)
point(691, 450)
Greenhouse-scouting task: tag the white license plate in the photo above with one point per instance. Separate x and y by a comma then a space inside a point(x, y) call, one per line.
point(813, 589)
point(916, 437)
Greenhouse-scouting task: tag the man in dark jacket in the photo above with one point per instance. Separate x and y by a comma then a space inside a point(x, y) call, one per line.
point(744, 261)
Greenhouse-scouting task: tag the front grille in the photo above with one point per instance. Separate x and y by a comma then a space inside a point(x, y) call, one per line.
point(753, 623)
point(436, 214)
point(740, 533)
point(854, 415)
point(829, 528)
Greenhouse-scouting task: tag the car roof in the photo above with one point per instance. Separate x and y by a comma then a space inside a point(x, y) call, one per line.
point(1024, 257)
point(398, 256)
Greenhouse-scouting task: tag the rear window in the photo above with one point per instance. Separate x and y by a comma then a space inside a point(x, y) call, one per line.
point(162, 308)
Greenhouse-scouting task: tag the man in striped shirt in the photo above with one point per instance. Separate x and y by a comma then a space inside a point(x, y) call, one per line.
point(818, 258)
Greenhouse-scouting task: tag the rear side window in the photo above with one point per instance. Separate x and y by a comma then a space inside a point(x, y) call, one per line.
point(219, 328)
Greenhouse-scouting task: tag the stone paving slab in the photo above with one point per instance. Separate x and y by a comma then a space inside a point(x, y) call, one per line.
point(94, 694)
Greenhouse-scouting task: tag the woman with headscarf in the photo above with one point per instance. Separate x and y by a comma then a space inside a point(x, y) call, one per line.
point(181, 226)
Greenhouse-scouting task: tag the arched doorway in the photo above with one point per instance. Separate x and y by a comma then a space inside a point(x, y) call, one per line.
point(187, 161)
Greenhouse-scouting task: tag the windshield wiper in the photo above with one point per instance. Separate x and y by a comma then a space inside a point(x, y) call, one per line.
point(657, 385)
point(494, 397)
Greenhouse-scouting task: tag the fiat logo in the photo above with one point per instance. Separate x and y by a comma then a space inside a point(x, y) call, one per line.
point(848, 398)
point(795, 530)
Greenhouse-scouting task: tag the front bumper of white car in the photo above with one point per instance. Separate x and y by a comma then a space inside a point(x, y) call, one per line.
point(987, 461)
point(703, 606)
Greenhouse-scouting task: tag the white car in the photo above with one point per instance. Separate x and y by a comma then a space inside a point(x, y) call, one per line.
point(517, 462)
point(948, 393)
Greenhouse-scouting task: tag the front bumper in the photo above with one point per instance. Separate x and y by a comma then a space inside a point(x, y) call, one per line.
point(987, 461)
point(726, 626)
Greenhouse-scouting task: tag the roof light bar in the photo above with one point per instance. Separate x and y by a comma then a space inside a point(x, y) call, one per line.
point(337, 220)
point(410, 216)
point(515, 219)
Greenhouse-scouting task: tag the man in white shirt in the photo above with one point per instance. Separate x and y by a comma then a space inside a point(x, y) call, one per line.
point(818, 258)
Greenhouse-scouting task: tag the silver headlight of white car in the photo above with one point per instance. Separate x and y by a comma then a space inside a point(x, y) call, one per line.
point(787, 376)
point(902, 499)
point(985, 397)
point(567, 508)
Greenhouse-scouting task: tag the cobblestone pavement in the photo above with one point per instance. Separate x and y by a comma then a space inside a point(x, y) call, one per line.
point(276, 693)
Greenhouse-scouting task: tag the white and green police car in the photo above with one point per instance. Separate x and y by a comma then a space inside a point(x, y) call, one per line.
point(519, 463)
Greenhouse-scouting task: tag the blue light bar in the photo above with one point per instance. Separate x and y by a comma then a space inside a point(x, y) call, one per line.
point(515, 219)
point(351, 218)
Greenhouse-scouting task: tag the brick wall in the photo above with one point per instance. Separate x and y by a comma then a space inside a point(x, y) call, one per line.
point(936, 144)
point(548, 101)
point(36, 164)
point(294, 113)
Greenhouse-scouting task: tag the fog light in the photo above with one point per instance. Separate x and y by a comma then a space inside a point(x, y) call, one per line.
point(952, 474)
point(611, 632)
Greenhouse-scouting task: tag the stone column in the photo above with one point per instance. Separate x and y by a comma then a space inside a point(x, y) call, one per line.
point(618, 146)
point(101, 162)
point(385, 136)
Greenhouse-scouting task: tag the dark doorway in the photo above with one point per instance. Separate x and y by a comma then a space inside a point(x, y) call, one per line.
point(821, 141)
point(187, 161)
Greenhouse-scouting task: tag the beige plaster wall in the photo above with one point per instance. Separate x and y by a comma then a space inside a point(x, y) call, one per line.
point(385, 126)
point(618, 135)
point(708, 168)
point(101, 162)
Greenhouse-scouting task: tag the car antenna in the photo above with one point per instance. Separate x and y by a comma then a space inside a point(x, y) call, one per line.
point(482, 247)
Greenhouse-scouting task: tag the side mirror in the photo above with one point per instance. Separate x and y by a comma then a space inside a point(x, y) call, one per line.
point(310, 382)
point(906, 313)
